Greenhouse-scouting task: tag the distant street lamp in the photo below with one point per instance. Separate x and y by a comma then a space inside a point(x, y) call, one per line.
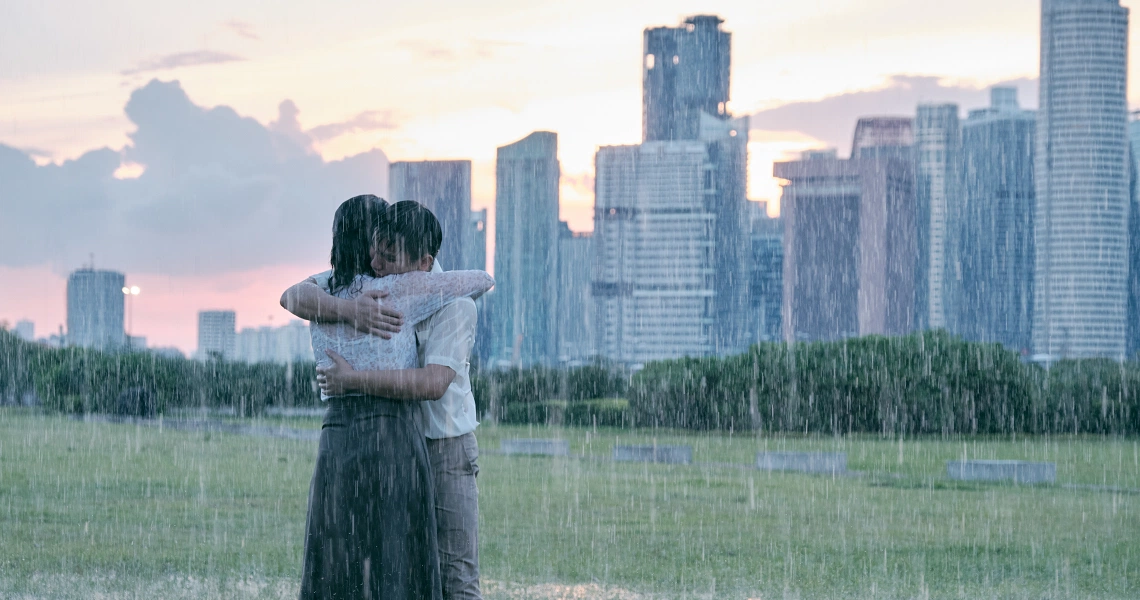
point(130, 293)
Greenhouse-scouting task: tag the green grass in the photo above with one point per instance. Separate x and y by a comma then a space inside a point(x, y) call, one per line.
point(134, 511)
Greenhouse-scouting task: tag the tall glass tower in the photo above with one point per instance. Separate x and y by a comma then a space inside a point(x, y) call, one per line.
point(526, 250)
point(936, 143)
point(95, 309)
point(685, 89)
point(1081, 222)
point(992, 266)
point(685, 73)
point(444, 186)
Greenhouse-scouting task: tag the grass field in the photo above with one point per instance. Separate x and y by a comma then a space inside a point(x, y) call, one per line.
point(91, 509)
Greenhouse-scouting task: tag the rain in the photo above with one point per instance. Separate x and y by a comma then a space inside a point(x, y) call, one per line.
point(816, 301)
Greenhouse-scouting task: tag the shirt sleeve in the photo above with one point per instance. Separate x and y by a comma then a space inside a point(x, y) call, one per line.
point(419, 294)
point(323, 279)
point(452, 335)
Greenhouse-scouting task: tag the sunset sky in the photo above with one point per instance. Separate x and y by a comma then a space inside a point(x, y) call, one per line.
point(212, 207)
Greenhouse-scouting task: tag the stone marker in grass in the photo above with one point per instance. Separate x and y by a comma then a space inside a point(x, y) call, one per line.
point(535, 446)
point(676, 455)
point(1017, 471)
point(831, 463)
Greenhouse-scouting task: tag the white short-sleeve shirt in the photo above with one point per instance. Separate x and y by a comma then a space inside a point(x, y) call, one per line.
point(446, 338)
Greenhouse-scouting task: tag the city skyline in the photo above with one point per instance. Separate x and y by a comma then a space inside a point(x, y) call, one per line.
point(768, 82)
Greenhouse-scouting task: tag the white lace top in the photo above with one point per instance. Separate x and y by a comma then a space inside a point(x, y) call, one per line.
point(417, 295)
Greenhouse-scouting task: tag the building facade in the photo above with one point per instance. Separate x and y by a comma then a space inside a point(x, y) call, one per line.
point(1133, 331)
point(849, 246)
point(444, 187)
point(767, 274)
point(25, 330)
point(684, 75)
point(992, 271)
point(286, 344)
point(936, 144)
point(1082, 180)
point(575, 296)
point(217, 334)
point(526, 250)
point(95, 309)
point(685, 90)
point(475, 253)
point(654, 282)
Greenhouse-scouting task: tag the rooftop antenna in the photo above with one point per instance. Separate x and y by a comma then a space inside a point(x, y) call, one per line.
point(91, 265)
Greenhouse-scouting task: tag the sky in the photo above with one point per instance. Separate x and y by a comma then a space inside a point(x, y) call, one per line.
point(202, 147)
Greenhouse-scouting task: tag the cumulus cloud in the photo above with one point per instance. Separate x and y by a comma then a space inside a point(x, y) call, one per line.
point(182, 59)
point(370, 120)
point(833, 119)
point(220, 193)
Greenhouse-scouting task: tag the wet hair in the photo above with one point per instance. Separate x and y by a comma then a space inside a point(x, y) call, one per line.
point(413, 226)
point(354, 225)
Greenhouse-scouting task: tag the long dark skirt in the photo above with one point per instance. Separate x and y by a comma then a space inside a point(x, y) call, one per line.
point(371, 530)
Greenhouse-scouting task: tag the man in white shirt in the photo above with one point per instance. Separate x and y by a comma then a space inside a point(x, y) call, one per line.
point(444, 342)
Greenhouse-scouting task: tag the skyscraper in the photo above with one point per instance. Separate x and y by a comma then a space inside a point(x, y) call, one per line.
point(444, 187)
point(767, 274)
point(25, 330)
point(216, 334)
point(992, 241)
point(685, 76)
point(526, 250)
point(883, 137)
point(1133, 332)
point(575, 299)
point(475, 254)
point(95, 309)
point(1081, 222)
point(849, 245)
point(936, 142)
point(654, 278)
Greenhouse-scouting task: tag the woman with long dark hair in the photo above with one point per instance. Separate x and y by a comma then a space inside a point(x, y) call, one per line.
point(371, 531)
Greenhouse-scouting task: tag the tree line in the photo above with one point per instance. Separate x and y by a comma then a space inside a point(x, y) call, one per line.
point(925, 383)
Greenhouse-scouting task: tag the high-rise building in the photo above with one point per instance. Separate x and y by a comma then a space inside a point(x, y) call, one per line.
point(216, 334)
point(1081, 221)
point(767, 274)
point(444, 187)
point(575, 296)
point(883, 137)
point(475, 254)
point(25, 330)
point(849, 245)
point(991, 269)
point(267, 344)
point(654, 268)
point(936, 143)
point(95, 309)
point(685, 74)
point(1133, 333)
point(294, 343)
point(526, 250)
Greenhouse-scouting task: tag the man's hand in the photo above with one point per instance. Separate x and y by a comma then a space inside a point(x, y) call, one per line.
point(370, 316)
point(335, 380)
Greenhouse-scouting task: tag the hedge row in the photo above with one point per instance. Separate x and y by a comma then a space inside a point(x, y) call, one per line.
point(928, 383)
point(78, 380)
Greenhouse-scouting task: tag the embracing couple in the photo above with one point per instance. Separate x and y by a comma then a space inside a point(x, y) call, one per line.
point(393, 506)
